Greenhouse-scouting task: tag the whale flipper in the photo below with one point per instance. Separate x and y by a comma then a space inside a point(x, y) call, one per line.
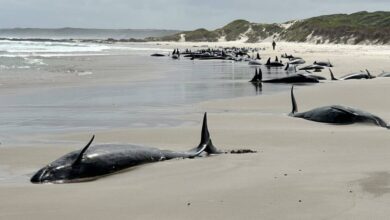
point(344, 110)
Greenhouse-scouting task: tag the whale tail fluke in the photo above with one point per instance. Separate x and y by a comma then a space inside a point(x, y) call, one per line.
point(380, 122)
point(206, 144)
point(293, 102)
point(331, 74)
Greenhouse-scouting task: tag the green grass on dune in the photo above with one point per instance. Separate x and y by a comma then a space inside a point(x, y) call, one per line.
point(338, 28)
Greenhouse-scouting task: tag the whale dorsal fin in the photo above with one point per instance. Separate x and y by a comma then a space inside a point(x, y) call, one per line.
point(260, 76)
point(80, 156)
point(268, 61)
point(205, 144)
point(205, 135)
point(255, 77)
point(293, 102)
point(331, 75)
point(287, 66)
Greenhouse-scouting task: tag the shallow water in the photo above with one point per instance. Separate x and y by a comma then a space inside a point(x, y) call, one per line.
point(154, 103)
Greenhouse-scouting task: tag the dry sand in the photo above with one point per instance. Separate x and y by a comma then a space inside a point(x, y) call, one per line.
point(303, 169)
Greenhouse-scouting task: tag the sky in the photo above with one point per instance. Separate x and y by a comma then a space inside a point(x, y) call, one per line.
point(169, 14)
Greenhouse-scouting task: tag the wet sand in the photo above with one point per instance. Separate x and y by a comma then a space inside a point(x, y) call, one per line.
point(303, 169)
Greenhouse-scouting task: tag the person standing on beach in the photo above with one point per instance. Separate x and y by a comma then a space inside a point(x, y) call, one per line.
point(273, 44)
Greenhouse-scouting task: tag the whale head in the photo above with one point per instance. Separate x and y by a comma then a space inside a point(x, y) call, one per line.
point(54, 174)
point(65, 169)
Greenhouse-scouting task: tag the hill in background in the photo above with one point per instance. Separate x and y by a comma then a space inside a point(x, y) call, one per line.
point(357, 28)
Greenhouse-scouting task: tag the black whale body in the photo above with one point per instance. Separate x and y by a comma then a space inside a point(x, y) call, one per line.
point(336, 114)
point(303, 72)
point(99, 160)
point(158, 55)
point(359, 75)
point(270, 63)
point(293, 78)
point(384, 74)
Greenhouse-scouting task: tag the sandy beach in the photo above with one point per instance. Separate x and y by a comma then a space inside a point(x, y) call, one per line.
point(302, 169)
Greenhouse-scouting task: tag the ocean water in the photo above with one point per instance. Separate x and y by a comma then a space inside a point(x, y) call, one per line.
point(163, 102)
point(29, 54)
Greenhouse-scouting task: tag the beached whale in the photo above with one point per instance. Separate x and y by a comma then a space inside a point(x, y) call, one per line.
point(384, 74)
point(307, 73)
point(323, 63)
point(336, 114)
point(254, 62)
point(314, 76)
point(96, 161)
point(293, 78)
point(256, 78)
point(315, 67)
point(303, 72)
point(360, 75)
point(273, 64)
point(158, 55)
point(297, 61)
point(287, 56)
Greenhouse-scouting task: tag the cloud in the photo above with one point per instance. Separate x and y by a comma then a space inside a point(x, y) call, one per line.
point(169, 14)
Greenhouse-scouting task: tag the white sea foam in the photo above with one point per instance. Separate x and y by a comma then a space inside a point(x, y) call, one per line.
point(84, 73)
point(32, 48)
point(34, 61)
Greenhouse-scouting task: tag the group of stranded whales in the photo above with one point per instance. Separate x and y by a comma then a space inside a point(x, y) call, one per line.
point(95, 161)
point(303, 74)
